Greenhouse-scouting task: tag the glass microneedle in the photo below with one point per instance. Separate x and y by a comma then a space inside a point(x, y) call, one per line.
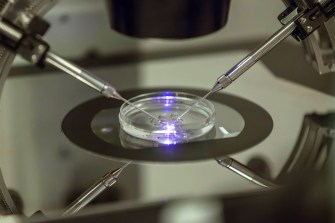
point(195, 104)
point(247, 62)
point(89, 79)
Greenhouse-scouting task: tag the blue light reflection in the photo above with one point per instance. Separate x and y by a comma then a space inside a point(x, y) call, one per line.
point(173, 134)
point(171, 128)
point(168, 100)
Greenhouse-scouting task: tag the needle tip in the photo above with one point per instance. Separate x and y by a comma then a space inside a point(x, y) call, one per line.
point(221, 83)
point(217, 87)
point(117, 172)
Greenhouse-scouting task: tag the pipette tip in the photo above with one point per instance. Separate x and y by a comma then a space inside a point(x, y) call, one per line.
point(217, 87)
point(118, 171)
point(223, 82)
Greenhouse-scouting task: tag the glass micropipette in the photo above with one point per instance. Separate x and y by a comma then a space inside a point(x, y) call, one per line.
point(247, 62)
point(108, 180)
point(89, 79)
point(194, 104)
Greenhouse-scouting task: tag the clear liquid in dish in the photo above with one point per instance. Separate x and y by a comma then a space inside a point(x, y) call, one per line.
point(170, 129)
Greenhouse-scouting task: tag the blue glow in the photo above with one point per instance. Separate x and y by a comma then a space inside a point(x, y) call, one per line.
point(172, 136)
point(170, 127)
point(169, 142)
point(168, 100)
point(167, 93)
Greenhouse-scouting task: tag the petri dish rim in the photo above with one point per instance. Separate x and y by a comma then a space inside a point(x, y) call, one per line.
point(187, 131)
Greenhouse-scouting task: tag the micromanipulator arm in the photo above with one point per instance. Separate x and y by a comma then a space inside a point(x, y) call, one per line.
point(28, 43)
point(301, 23)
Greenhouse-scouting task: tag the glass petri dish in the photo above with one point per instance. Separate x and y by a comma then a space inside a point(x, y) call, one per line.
point(167, 107)
point(131, 142)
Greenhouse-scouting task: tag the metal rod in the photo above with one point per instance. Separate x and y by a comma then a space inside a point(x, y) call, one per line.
point(247, 62)
point(89, 79)
point(81, 74)
point(108, 180)
point(90, 194)
point(10, 31)
point(236, 71)
point(245, 172)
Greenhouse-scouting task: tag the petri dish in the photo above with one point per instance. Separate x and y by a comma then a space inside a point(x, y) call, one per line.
point(131, 142)
point(167, 107)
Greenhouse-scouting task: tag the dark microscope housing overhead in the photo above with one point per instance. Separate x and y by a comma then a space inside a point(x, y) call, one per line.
point(171, 19)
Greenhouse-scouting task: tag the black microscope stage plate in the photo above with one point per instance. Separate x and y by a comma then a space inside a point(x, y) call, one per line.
point(77, 126)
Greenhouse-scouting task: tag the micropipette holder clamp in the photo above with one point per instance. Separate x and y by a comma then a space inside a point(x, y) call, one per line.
point(36, 51)
point(81, 74)
point(107, 181)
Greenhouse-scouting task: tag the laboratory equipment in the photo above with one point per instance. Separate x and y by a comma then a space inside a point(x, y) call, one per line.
point(266, 206)
point(94, 126)
point(176, 19)
point(245, 172)
point(24, 37)
point(108, 180)
point(167, 106)
point(89, 79)
point(37, 52)
point(21, 33)
point(226, 79)
point(296, 25)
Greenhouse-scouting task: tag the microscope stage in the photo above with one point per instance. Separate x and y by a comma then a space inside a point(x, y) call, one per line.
point(239, 125)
